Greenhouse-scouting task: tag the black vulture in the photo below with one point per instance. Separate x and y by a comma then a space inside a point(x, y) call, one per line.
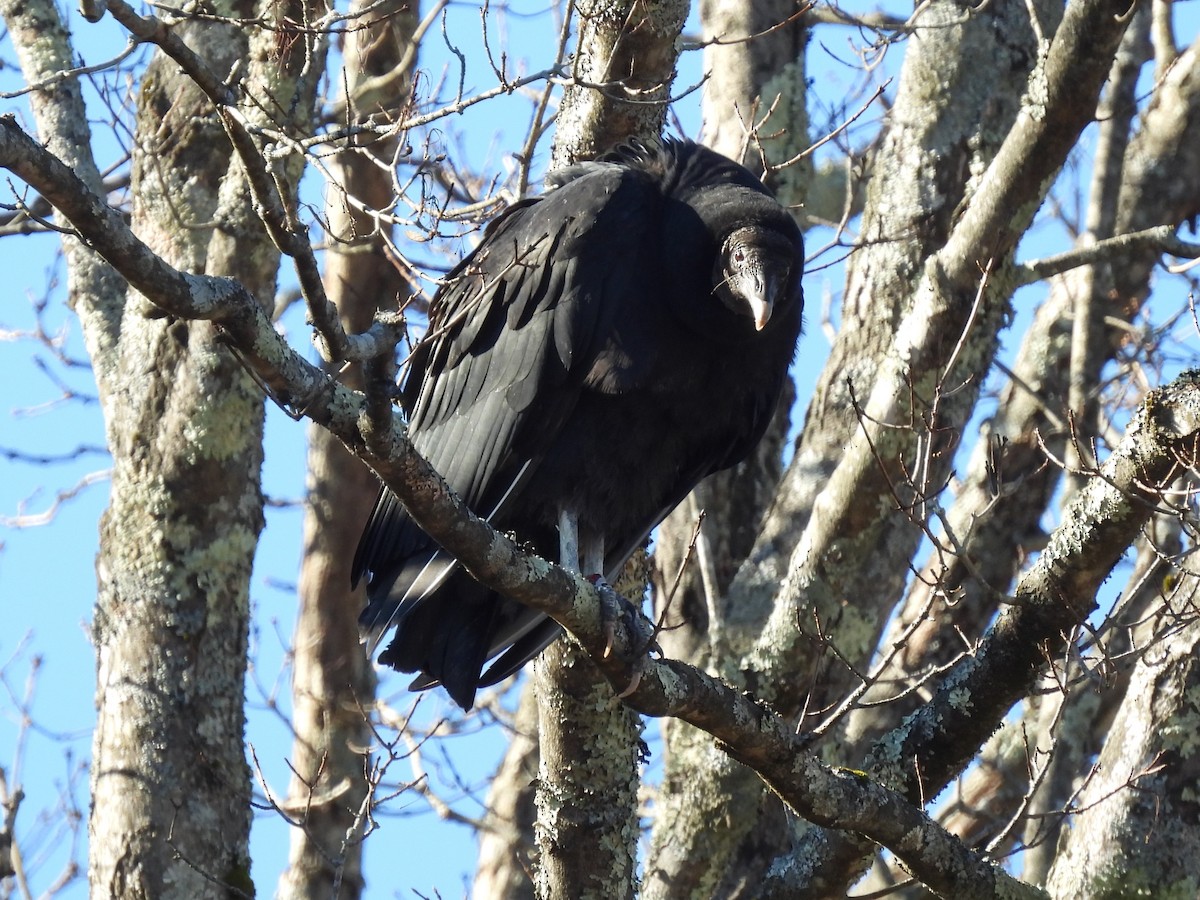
point(605, 347)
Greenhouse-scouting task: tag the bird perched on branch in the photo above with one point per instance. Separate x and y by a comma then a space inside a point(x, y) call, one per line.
point(604, 348)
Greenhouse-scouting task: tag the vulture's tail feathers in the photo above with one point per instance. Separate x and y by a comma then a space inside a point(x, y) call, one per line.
point(517, 641)
point(415, 581)
point(544, 633)
point(446, 642)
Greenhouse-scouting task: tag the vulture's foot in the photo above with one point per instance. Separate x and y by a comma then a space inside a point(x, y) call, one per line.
point(615, 608)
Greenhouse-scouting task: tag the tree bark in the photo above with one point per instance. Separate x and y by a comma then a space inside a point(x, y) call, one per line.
point(1009, 485)
point(1137, 833)
point(622, 73)
point(177, 542)
point(755, 102)
point(588, 779)
point(985, 230)
point(171, 788)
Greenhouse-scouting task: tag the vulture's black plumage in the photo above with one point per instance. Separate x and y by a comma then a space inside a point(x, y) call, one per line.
point(605, 347)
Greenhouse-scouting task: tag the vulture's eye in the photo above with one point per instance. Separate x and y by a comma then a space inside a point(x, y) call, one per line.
point(739, 255)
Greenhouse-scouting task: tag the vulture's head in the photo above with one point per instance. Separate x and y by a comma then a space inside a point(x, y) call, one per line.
point(754, 271)
point(719, 215)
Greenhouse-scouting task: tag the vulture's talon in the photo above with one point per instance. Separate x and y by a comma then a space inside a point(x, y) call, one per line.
point(636, 680)
point(615, 607)
point(612, 606)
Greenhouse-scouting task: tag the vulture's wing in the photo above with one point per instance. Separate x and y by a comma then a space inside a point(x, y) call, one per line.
point(514, 334)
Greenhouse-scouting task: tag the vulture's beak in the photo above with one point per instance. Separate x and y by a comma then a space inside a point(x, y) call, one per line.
point(757, 283)
point(761, 299)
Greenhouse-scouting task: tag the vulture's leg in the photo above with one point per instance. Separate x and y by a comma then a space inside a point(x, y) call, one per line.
point(581, 556)
point(587, 556)
point(592, 562)
point(614, 606)
point(568, 540)
point(591, 558)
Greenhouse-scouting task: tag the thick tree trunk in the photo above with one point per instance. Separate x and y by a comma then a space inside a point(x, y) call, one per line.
point(981, 237)
point(756, 96)
point(1008, 486)
point(170, 785)
point(624, 66)
point(588, 780)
